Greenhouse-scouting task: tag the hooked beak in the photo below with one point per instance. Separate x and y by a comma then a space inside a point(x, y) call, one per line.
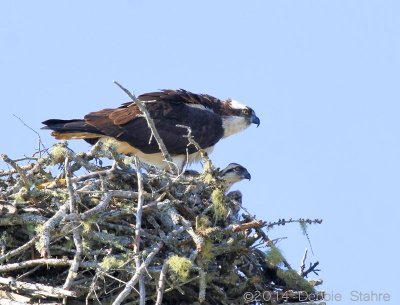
point(246, 175)
point(255, 120)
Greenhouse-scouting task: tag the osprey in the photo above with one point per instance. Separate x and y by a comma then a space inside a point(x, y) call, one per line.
point(209, 118)
point(228, 176)
point(233, 173)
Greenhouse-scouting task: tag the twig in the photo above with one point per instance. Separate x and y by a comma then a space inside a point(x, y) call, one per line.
point(11, 302)
point(198, 240)
point(245, 226)
point(311, 269)
point(22, 219)
point(303, 263)
point(14, 297)
point(151, 125)
point(203, 285)
point(161, 282)
point(282, 222)
point(119, 242)
point(51, 262)
point(37, 289)
point(132, 282)
point(27, 167)
point(266, 239)
point(16, 167)
point(33, 270)
point(192, 141)
point(139, 271)
point(48, 226)
point(38, 135)
point(76, 233)
point(138, 227)
point(73, 271)
point(106, 198)
point(71, 192)
point(177, 286)
point(19, 250)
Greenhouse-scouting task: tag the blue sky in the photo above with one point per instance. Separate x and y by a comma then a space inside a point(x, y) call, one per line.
point(323, 76)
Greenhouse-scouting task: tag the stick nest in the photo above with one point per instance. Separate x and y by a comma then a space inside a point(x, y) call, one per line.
point(100, 228)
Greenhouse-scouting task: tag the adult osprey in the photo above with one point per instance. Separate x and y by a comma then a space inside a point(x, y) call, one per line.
point(209, 118)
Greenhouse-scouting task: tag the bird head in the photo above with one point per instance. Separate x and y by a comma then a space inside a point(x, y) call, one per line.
point(233, 173)
point(236, 117)
point(250, 116)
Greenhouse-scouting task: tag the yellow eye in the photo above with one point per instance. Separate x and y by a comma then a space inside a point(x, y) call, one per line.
point(245, 111)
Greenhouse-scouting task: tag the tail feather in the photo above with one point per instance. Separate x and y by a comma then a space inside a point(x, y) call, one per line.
point(72, 129)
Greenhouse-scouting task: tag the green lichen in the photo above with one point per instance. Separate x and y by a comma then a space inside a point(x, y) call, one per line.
point(275, 256)
point(31, 228)
point(128, 160)
point(39, 229)
point(109, 145)
point(58, 153)
point(41, 161)
point(90, 200)
point(69, 244)
point(87, 245)
point(303, 227)
point(180, 266)
point(294, 280)
point(202, 223)
point(87, 225)
point(208, 178)
point(22, 195)
point(207, 254)
point(61, 194)
point(220, 210)
point(112, 262)
point(38, 246)
point(207, 167)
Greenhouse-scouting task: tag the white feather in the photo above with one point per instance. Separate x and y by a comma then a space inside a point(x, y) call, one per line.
point(237, 105)
point(198, 106)
point(233, 124)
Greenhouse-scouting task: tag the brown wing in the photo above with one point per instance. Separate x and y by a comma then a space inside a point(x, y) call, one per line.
point(167, 108)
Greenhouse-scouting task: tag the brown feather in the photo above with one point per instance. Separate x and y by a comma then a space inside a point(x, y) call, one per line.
point(122, 116)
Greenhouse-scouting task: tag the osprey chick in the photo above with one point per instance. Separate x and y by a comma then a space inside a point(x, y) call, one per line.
point(209, 118)
point(233, 173)
point(228, 176)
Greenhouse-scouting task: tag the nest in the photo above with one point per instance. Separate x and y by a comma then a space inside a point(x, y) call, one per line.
point(102, 228)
